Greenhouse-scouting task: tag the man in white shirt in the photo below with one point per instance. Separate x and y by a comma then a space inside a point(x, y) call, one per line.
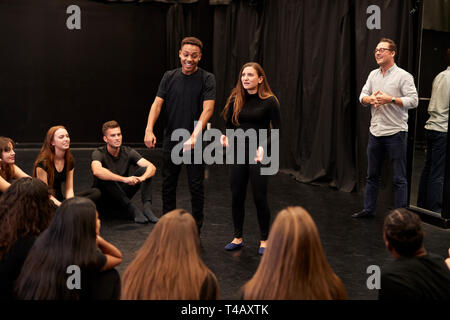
point(390, 92)
point(432, 178)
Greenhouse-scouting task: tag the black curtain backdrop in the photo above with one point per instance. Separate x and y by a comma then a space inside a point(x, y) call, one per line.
point(317, 56)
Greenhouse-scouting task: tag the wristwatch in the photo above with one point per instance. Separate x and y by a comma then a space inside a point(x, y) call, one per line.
point(393, 100)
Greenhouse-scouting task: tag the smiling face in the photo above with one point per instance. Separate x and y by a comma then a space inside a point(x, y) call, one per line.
point(61, 140)
point(8, 155)
point(113, 137)
point(250, 79)
point(189, 55)
point(384, 55)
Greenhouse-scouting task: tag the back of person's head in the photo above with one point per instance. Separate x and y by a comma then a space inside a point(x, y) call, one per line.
point(25, 211)
point(403, 231)
point(168, 266)
point(294, 265)
point(192, 41)
point(69, 240)
point(109, 125)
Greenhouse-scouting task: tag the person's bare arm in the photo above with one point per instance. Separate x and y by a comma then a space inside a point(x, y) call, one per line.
point(150, 169)
point(155, 110)
point(208, 110)
point(41, 174)
point(104, 174)
point(112, 254)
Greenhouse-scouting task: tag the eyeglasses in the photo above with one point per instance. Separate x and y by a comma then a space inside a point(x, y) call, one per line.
point(381, 50)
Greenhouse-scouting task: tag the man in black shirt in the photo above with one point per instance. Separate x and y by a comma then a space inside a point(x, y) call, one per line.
point(119, 172)
point(188, 95)
point(415, 274)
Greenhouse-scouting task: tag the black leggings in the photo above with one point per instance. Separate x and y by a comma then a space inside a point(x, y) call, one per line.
point(239, 176)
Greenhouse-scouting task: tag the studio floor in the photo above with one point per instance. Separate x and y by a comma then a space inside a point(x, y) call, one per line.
point(351, 245)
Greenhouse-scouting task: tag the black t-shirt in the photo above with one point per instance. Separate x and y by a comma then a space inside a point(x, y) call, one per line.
point(11, 265)
point(183, 99)
point(418, 278)
point(119, 165)
point(59, 178)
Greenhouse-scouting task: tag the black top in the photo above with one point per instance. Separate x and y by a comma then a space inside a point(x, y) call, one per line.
point(256, 114)
point(11, 265)
point(90, 278)
point(119, 165)
point(183, 100)
point(59, 178)
point(418, 278)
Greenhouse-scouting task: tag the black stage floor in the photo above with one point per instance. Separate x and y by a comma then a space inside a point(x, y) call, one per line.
point(351, 245)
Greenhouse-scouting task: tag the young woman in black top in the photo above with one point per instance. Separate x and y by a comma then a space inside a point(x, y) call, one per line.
point(8, 169)
point(55, 166)
point(251, 105)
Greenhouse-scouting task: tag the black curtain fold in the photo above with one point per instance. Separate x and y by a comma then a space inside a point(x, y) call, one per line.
point(304, 58)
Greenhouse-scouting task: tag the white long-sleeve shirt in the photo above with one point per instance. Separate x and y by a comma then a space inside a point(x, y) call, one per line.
point(439, 103)
point(390, 118)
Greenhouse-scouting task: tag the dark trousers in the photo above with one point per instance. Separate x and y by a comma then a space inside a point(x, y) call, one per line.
point(240, 174)
point(116, 196)
point(93, 193)
point(432, 178)
point(195, 174)
point(395, 147)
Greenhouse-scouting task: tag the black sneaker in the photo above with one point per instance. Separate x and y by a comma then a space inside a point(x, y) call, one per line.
point(363, 214)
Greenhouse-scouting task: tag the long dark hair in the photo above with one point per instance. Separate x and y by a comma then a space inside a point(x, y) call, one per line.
point(294, 266)
point(47, 156)
point(237, 96)
point(69, 240)
point(25, 210)
point(6, 170)
point(173, 271)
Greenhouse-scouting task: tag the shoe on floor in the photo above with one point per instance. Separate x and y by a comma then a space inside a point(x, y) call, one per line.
point(234, 246)
point(363, 214)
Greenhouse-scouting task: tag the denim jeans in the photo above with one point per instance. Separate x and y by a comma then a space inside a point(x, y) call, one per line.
point(432, 178)
point(395, 147)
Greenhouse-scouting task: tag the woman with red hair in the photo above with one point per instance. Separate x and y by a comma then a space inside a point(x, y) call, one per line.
point(55, 166)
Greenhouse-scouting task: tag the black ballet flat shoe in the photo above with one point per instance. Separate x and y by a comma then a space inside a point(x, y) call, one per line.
point(234, 246)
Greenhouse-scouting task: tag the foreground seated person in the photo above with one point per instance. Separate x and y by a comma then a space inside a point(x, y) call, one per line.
point(72, 239)
point(416, 274)
point(25, 211)
point(168, 266)
point(119, 173)
point(294, 266)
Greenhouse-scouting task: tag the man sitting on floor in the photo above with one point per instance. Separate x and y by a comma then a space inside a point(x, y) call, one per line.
point(119, 172)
